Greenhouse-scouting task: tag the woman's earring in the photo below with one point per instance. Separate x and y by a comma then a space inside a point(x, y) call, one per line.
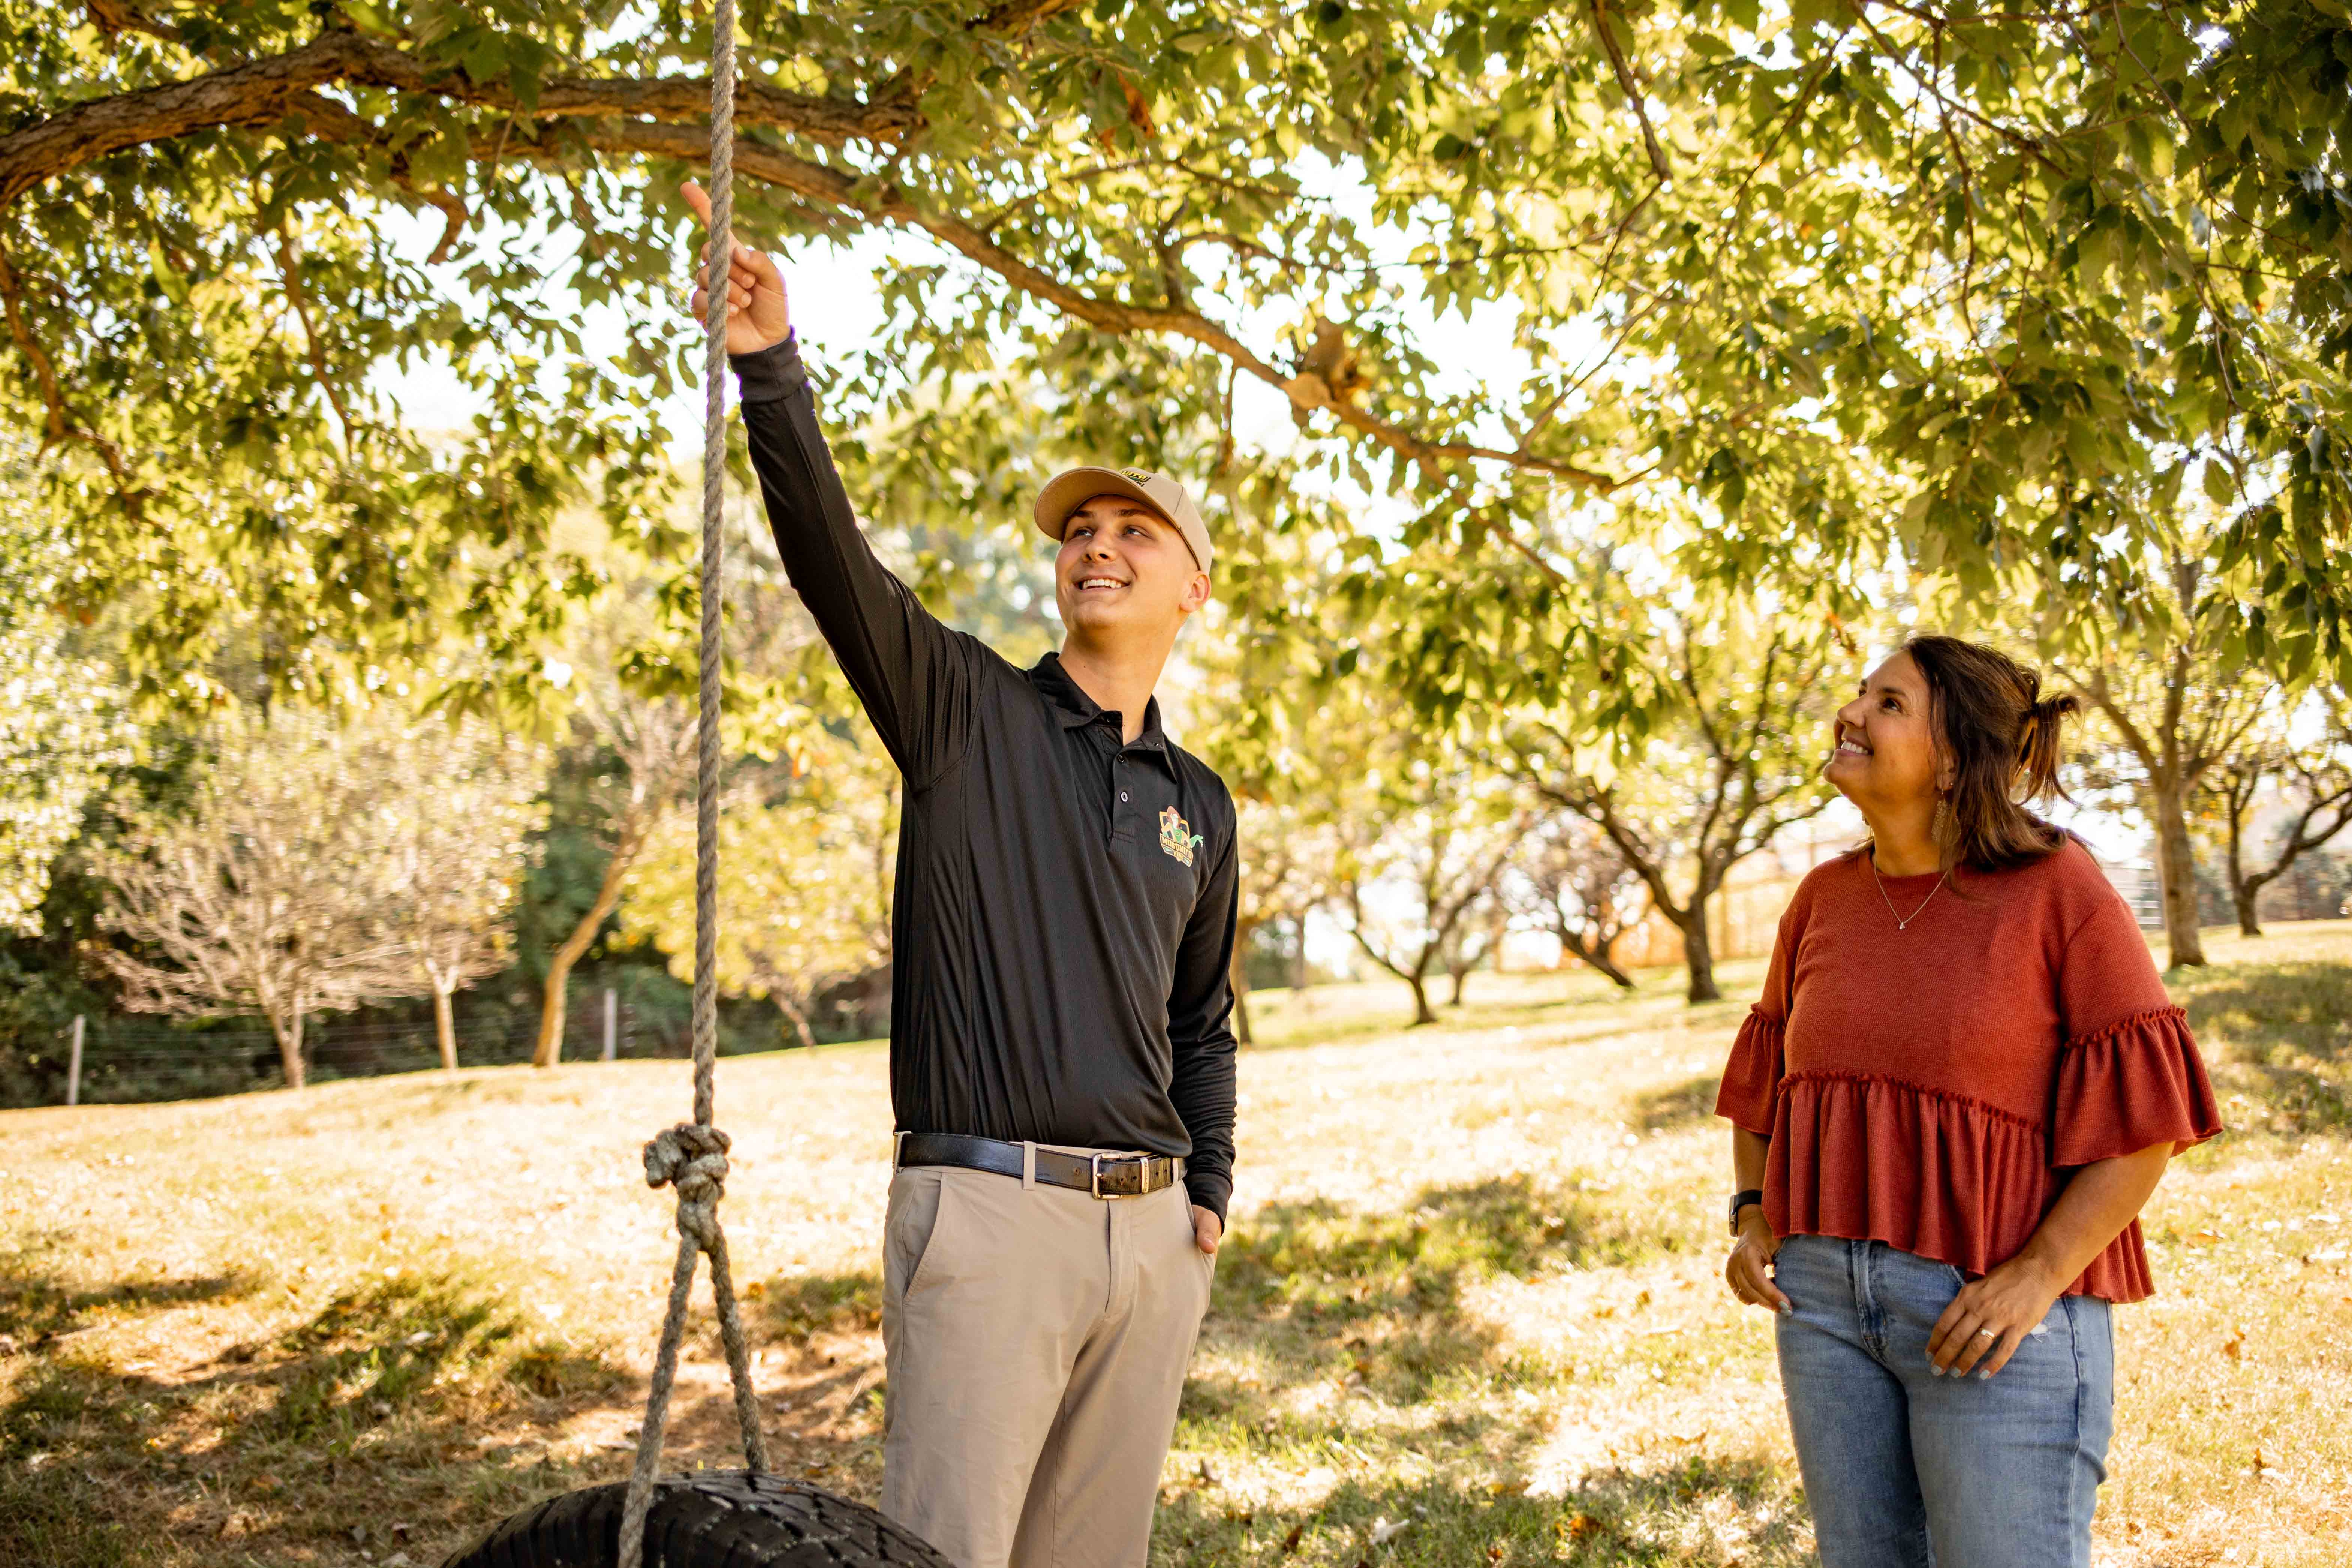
point(1939, 830)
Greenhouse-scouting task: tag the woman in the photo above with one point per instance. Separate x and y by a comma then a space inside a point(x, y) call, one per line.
point(1963, 1080)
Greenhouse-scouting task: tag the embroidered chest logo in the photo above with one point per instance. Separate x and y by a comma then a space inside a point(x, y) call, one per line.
point(1177, 838)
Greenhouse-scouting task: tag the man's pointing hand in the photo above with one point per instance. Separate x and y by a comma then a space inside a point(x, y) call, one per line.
point(757, 314)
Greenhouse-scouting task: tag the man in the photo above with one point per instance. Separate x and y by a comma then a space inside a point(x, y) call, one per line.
point(1061, 1065)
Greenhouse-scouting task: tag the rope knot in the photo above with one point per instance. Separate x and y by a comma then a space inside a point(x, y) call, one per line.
point(692, 1159)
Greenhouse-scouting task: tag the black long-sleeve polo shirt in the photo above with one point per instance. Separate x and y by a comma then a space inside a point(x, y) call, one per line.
point(1064, 911)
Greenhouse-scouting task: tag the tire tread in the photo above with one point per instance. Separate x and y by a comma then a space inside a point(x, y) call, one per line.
point(709, 1519)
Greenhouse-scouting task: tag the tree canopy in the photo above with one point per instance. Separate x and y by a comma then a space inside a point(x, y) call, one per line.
point(1860, 280)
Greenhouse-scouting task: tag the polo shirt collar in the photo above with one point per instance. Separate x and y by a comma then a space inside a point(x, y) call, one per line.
point(1075, 708)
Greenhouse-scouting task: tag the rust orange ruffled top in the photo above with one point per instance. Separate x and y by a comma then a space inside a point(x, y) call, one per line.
point(1932, 1088)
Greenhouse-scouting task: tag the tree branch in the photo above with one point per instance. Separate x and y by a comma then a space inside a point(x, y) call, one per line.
point(60, 424)
point(266, 92)
point(1631, 88)
point(838, 190)
point(261, 92)
point(288, 270)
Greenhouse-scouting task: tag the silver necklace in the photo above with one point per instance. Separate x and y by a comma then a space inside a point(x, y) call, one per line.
point(1900, 919)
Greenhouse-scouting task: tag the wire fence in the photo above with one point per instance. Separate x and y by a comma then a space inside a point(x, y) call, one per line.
point(124, 1062)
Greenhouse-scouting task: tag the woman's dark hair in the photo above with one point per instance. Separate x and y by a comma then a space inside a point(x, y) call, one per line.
point(2001, 735)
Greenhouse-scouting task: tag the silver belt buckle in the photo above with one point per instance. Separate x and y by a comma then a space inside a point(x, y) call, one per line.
point(1093, 1177)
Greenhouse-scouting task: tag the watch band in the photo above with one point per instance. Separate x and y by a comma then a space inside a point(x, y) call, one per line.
point(1740, 1200)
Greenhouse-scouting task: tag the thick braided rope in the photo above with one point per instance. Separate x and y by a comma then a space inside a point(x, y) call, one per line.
point(691, 1157)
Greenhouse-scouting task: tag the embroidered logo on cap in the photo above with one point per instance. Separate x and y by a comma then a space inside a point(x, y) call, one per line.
point(1177, 838)
point(1140, 476)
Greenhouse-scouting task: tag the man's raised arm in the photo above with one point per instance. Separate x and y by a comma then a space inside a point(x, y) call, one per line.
point(913, 674)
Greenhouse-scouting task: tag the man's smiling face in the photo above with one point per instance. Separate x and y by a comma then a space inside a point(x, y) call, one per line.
point(1123, 568)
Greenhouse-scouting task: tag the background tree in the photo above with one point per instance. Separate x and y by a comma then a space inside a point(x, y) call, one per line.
point(462, 804)
point(1738, 735)
point(1286, 857)
point(805, 885)
point(647, 745)
point(62, 731)
point(629, 664)
point(2176, 709)
point(2312, 774)
point(1571, 881)
point(1421, 840)
point(1476, 938)
point(262, 894)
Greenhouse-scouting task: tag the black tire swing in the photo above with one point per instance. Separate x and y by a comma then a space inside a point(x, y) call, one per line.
point(711, 1519)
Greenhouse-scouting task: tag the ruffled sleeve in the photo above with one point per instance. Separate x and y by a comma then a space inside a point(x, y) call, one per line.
point(2130, 1076)
point(1751, 1079)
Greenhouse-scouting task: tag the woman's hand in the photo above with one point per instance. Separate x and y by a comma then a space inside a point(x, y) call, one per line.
point(1748, 1270)
point(758, 315)
point(1991, 1317)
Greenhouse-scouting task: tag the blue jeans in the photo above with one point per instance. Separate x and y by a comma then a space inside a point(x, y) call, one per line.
point(1906, 1470)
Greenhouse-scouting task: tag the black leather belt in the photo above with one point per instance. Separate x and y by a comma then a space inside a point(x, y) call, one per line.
point(1099, 1175)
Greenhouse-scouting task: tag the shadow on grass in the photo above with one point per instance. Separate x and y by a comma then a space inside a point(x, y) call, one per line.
point(1319, 1291)
point(35, 1306)
point(2282, 1034)
point(1677, 1106)
point(796, 1308)
point(1697, 1511)
point(359, 1425)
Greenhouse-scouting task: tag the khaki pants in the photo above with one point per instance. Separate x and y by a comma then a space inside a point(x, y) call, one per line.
point(1036, 1341)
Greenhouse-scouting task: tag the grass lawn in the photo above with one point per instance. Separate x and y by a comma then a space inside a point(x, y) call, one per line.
point(1469, 1312)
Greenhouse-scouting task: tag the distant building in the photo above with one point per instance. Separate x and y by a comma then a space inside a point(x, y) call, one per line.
point(2136, 880)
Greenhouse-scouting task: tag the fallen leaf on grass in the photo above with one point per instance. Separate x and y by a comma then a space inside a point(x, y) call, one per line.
point(2203, 1237)
point(1583, 1527)
point(1290, 1541)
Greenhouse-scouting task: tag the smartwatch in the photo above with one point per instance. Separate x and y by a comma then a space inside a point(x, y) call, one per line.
point(1740, 1200)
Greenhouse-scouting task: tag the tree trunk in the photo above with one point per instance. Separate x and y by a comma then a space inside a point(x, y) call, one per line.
point(444, 1028)
point(2176, 872)
point(1698, 952)
point(1237, 978)
point(1421, 1011)
point(1458, 975)
point(550, 1049)
point(1597, 955)
point(289, 1048)
point(2243, 891)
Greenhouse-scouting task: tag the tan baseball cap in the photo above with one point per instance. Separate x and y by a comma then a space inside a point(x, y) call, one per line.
point(1073, 487)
